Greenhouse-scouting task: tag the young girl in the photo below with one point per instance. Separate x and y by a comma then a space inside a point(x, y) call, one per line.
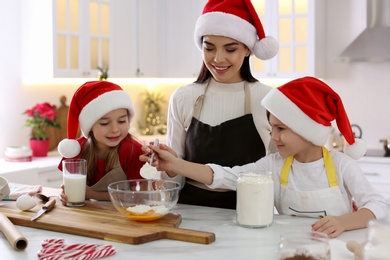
point(104, 112)
point(309, 180)
point(211, 118)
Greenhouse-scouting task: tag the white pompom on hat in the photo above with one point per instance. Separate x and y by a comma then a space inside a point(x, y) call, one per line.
point(90, 102)
point(236, 19)
point(308, 106)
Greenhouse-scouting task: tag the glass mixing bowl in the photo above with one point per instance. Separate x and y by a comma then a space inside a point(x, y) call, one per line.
point(144, 200)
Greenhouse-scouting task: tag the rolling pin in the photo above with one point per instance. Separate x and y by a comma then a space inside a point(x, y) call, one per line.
point(16, 239)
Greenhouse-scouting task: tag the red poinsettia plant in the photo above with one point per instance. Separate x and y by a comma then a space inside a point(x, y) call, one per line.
point(40, 117)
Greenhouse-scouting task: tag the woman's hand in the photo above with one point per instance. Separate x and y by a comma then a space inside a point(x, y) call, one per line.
point(165, 159)
point(164, 156)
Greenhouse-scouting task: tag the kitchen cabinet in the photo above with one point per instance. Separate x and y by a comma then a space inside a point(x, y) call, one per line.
point(132, 38)
point(81, 37)
point(181, 57)
point(40, 171)
point(377, 171)
point(65, 38)
point(299, 27)
point(156, 38)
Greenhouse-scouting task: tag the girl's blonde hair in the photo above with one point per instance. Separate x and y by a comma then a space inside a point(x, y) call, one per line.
point(90, 151)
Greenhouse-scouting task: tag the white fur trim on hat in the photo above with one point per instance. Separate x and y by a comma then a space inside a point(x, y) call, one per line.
point(356, 150)
point(102, 105)
point(69, 148)
point(266, 48)
point(293, 117)
point(232, 26)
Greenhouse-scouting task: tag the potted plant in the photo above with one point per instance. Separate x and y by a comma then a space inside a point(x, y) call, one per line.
point(41, 117)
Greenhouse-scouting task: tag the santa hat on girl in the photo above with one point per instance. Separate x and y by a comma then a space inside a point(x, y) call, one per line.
point(236, 19)
point(90, 102)
point(308, 106)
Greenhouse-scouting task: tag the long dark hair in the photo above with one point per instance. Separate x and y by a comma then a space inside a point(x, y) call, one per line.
point(245, 72)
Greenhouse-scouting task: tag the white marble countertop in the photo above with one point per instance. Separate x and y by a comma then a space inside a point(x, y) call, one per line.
point(232, 241)
point(50, 161)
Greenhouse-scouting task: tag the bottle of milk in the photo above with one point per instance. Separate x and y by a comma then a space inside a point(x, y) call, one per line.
point(255, 199)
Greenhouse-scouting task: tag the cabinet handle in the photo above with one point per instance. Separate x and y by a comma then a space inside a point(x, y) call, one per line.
point(54, 179)
point(372, 173)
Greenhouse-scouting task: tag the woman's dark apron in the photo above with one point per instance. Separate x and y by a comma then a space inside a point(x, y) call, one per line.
point(234, 142)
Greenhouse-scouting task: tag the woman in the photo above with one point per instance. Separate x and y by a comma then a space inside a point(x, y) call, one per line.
point(211, 120)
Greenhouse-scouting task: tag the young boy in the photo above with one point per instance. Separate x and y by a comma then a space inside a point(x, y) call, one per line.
point(309, 180)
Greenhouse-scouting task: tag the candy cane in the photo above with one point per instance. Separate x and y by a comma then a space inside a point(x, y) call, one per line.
point(59, 249)
point(67, 247)
point(53, 242)
point(89, 254)
point(55, 249)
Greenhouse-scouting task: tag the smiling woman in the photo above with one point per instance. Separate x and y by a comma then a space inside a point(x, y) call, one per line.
point(220, 113)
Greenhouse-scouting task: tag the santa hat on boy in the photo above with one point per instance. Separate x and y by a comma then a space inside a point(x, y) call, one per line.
point(308, 106)
point(236, 19)
point(90, 102)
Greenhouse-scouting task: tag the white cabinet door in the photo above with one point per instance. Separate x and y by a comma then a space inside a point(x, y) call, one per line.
point(50, 177)
point(23, 176)
point(180, 57)
point(150, 38)
point(378, 174)
point(64, 38)
point(81, 37)
point(298, 26)
point(132, 38)
point(124, 51)
point(155, 38)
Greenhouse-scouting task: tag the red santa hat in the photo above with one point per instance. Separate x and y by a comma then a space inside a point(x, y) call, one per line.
point(90, 102)
point(236, 19)
point(308, 106)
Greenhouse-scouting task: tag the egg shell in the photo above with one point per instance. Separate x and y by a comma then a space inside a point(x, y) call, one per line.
point(25, 202)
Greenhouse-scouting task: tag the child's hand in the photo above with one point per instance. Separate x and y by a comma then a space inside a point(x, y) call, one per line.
point(62, 196)
point(147, 152)
point(330, 225)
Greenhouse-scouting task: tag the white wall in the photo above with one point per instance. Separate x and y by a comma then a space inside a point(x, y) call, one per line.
point(10, 92)
point(364, 87)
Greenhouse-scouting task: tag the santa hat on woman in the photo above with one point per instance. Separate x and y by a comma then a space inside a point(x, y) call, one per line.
point(90, 102)
point(236, 19)
point(308, 106)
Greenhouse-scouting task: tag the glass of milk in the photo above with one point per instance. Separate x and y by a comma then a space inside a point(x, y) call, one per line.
point(75, 181)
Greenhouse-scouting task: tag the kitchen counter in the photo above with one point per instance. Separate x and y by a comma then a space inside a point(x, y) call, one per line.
point(40, 171)
point(232, 241)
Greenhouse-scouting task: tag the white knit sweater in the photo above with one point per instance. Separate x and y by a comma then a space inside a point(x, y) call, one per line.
point(222, 102)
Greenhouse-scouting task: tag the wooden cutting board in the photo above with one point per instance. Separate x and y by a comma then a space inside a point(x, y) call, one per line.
point(102, 221)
